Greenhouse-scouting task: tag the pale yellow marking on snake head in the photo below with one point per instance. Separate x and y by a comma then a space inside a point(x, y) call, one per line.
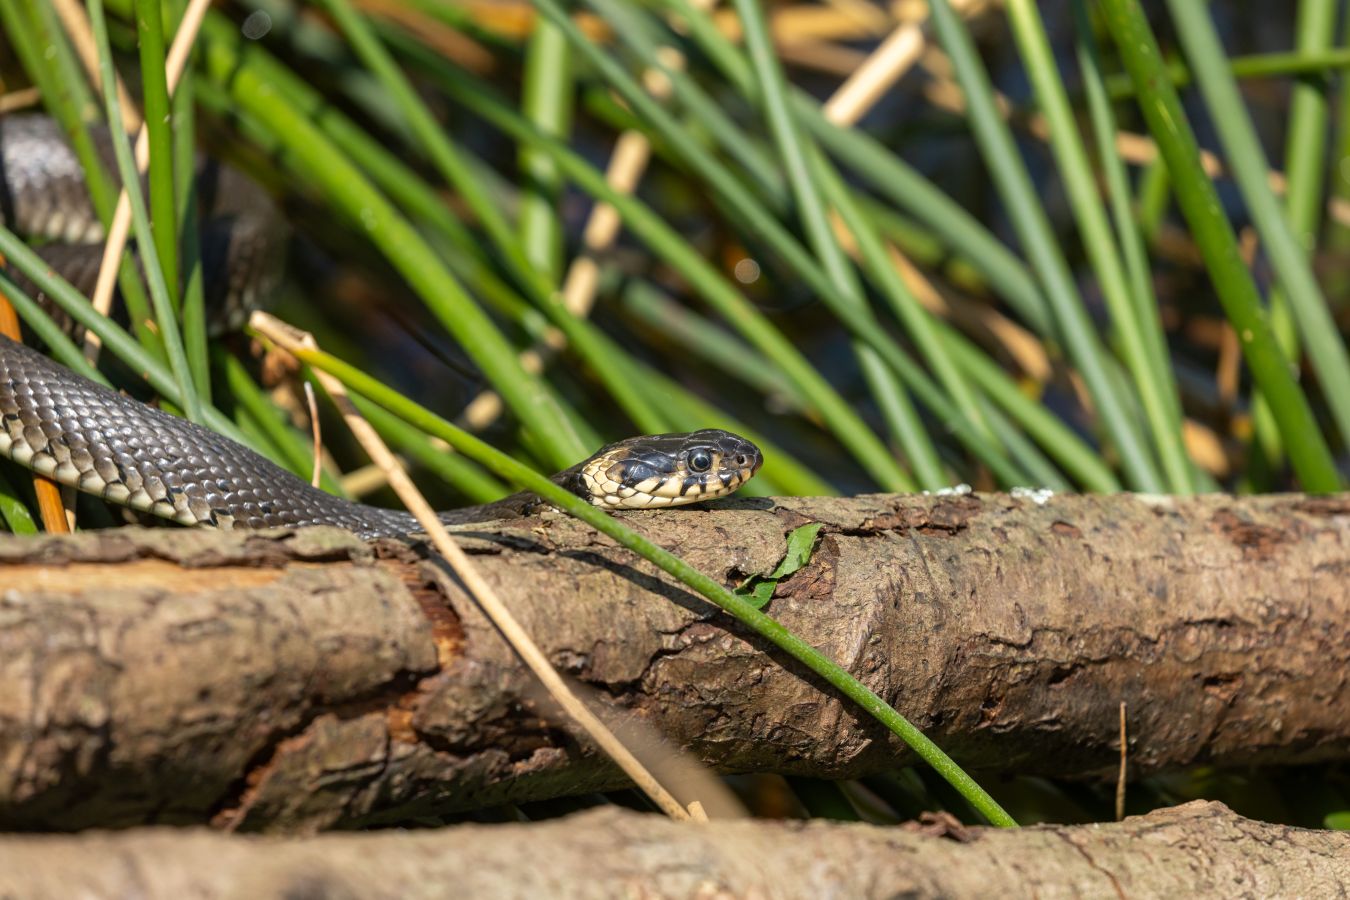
point(668, 470)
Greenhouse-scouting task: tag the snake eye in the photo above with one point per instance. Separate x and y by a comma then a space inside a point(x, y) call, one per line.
point(700, 461)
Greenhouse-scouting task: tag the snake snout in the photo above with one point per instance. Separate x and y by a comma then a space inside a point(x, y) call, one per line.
point(747, 458)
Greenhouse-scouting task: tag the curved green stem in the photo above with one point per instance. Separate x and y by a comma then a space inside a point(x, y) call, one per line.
point(1308, 451)
point(762, 624)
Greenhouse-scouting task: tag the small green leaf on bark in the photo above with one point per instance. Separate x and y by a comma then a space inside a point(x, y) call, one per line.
point(801, 542)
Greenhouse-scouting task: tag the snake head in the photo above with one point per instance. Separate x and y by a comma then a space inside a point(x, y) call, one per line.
point(658, 470)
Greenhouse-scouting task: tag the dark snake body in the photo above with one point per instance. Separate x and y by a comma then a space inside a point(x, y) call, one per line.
point(91, 438)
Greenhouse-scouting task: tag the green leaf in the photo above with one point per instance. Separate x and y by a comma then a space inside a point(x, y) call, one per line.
point(800, 544)
point(1339, 821)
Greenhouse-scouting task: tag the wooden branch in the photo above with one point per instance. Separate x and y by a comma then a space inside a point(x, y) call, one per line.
point(1197, 850)
point(296, 681)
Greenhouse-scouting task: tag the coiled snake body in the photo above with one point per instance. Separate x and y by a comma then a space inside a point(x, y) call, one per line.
point(91, 438)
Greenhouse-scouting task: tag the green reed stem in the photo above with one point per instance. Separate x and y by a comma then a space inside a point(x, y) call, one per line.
point(166, 312)
point(1326, 350)
point(38, 38)
point(421, 199)
point(295, 451)
point(1305, 146)
point(539, 283)
point(699, 338)
point(965, 235)
point(1308, 451)
point(159, 125)
point(1042, 246)
point(1153, 385)
point(13, 510)
point(1303, 61)
point(115, 339)
point(959, 231)
point(762, 624)
point(462, 474)
point(313, 156)
point(871, 453)
point(546, 100)
point(899, 410)
point(737, 311)
point(1128, 229)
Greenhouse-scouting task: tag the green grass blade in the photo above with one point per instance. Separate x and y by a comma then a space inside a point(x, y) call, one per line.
point(415, 195)
point(916, 320)
point(451, 164)
point(899, 410)
point(37, 36)
point(1075, 456)
point(1308, 451)
point(642, 33)
point(714, 288)
point(292, 451)
point(13, 509)
point(742, 316)
point(1032, 224)
point(195, 325)
point(1305, 145)
point(538, 281)
point(707, 341)
point(166, 312)
point(1326, 350)
point(546, 101)
point(1338, 234)
point(464, 475)
point(1128, 230)
point(159, 125)
point(115, 340)
point(1155, 390)
point(878, 265)
point(959, 231)
point(315, 157)
point(1304, 61)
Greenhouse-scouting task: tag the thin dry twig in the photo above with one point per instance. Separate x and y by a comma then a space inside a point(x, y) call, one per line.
point(886, 65)
point(12, 101)
point(1124, 758)
point(316, 432)
point(289, 338)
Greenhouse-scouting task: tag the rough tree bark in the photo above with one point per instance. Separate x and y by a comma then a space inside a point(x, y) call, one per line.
point(302, 681)
point(1196, 850)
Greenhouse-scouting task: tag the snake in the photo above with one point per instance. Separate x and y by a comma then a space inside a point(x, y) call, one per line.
point(89, 437)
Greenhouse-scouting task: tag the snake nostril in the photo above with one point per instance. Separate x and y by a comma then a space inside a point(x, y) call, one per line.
point(742, 461)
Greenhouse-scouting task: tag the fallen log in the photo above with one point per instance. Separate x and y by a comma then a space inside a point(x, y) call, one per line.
point(298, 681)
point(1196, 850)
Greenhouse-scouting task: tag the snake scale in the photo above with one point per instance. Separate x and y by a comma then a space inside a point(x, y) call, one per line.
point(84, 435)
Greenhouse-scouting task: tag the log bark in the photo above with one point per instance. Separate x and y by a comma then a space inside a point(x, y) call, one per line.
point(1197, 850)
point(297, 681)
